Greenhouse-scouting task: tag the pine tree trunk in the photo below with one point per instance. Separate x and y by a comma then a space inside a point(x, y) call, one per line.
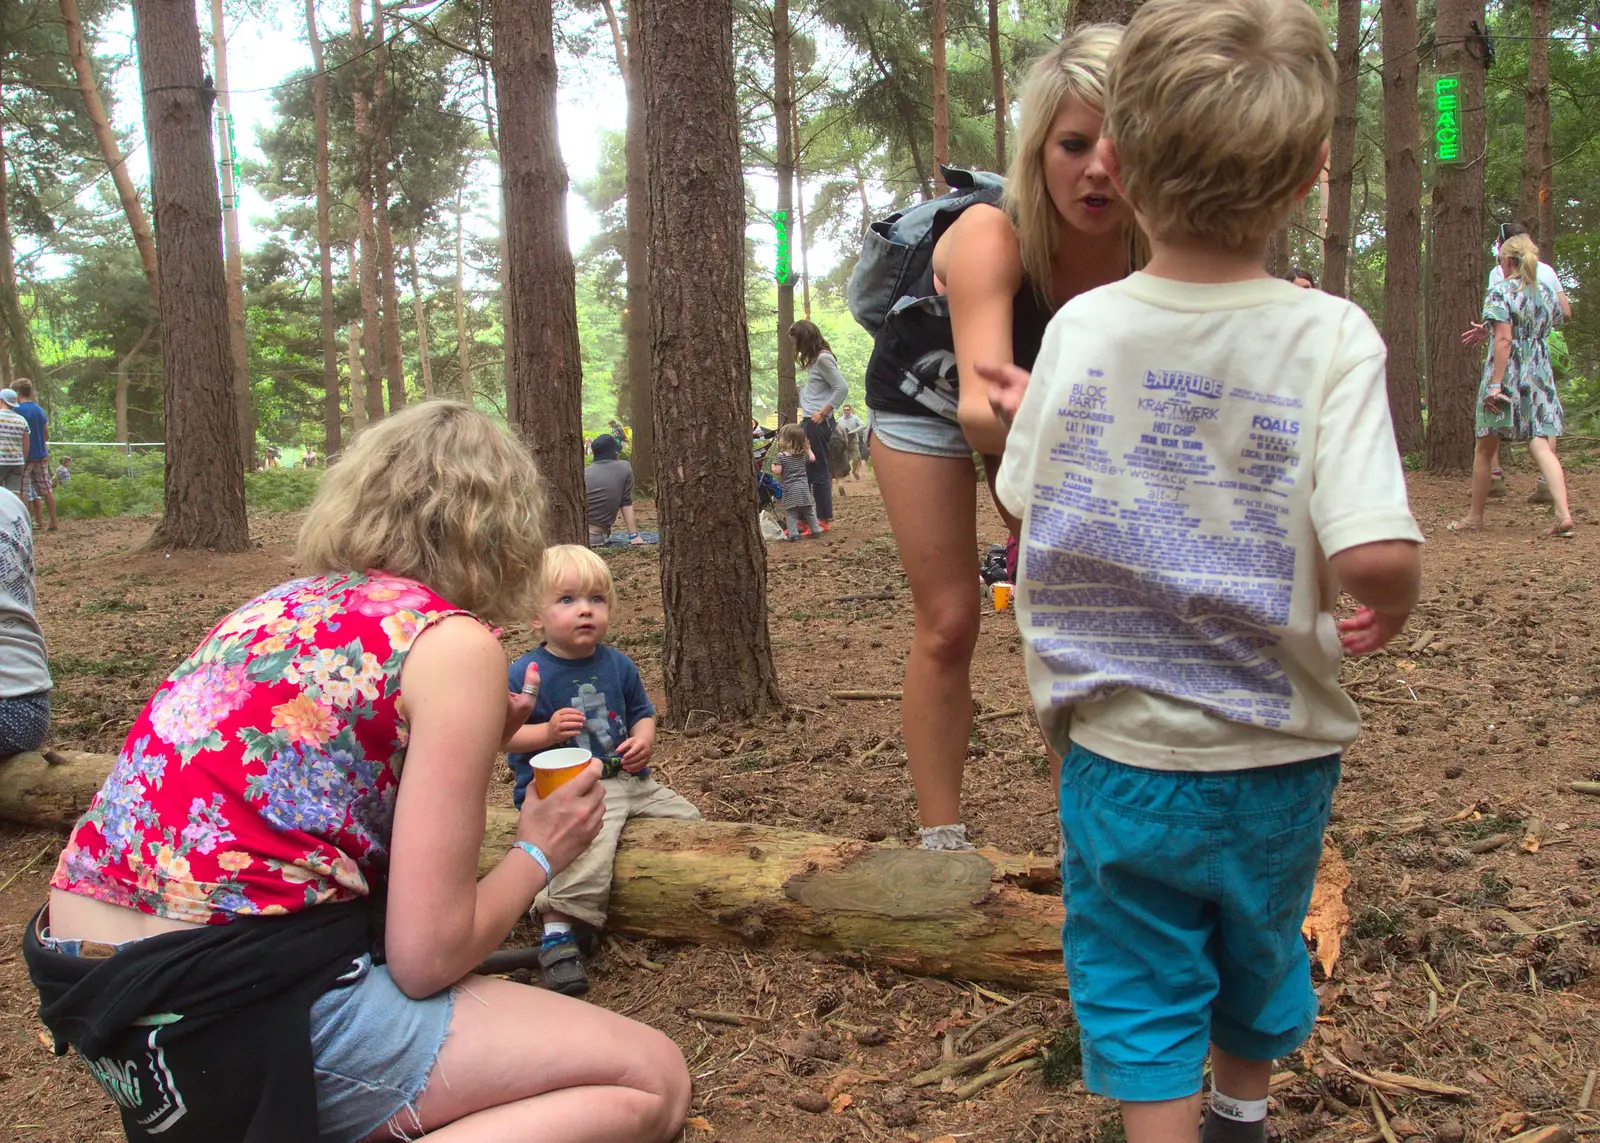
point(1402, 173)
point(204, 478)
point(388, 291)
point(1342, 152)
point(507, 333)
point(641, 401)
point(18, 334)
point(800, 206)
point(544, 368)
point(717, 655)
point(1002, 106)
point(120, 397)
point(1536, 131)
point(941, 95)
point(420, 312)
point(782, 70)
point(358, 403)
point(1099, 12)
point(1277, 255)
point(331, 429)
point(1456, 252)
point(463, 342)
point(366, 223)
point(110, 150)
point(237, 345)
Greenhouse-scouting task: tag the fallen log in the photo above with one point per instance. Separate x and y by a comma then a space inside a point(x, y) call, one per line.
point(971, 915)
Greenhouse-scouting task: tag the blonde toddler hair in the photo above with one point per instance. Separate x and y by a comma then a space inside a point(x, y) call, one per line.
point(1526, 253)
point(440, 494)
point(577, 565)
point(1074, 69)
point(1218, 110)
point(792, 440)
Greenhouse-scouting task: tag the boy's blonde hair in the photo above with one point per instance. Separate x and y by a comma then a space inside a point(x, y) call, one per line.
point(1526, 254)
point(440, 494)
point(1073, 69)
point(576, 564)
point(792, 440)
point(1218, 110)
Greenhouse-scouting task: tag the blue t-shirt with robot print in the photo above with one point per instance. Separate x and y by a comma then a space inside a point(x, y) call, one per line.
point(605, 686)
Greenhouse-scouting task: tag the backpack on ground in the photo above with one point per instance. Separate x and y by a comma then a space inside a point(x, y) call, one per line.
point(898, 249)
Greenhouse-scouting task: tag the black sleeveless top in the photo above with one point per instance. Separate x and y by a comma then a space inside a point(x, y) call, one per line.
point(913, 365)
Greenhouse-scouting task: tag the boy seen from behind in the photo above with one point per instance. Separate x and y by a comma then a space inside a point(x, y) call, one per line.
point(590, 696)
point(1203, 458)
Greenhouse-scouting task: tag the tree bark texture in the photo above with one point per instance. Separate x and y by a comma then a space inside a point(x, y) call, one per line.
point(641, 387)
point(366, 223)
point(507, 331)
point(331, 428)
point(18, 334)
point(1342, 152)
point(1277, 254)
point(544, 368)
point(800, 231)
point(463, 342)
point(1002, 106)
point(1535, 190)
point(120, 394)
point(978, 915)
point(110, 149)
point(358, 404)
point(941, 95)
point(1456, 252)
point(420, 313)
point(718, 654)
point(237, 345)
point(1100, 12)
point(204, 477)
point(1402, 173)
point(782, 97)
point(388, 291)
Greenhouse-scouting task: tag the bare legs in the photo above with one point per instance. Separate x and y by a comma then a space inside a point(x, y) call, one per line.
point(1177, 1120)
point(1544, 455)
point(932, 504)
point(1482, 462)
point(522, 1065)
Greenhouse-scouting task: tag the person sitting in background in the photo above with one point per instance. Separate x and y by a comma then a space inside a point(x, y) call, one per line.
point(589, 696)
point(14, 432)
point(1301, 278)
point(609, 485)
point(1478, 332)
point(24, 662)
point(64, 470)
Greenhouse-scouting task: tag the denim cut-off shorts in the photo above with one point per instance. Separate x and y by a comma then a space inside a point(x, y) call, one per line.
point(924, 435)
point(1185, 893)
point(373, 1046)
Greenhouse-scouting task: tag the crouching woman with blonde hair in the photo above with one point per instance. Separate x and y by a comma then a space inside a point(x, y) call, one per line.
point(318, 764)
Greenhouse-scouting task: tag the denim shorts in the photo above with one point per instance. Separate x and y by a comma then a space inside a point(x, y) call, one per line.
point(1185, 893)
point(373, 1046)
point(924, 435)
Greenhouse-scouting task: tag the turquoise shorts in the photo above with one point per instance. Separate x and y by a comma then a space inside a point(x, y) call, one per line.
point(1185, 893)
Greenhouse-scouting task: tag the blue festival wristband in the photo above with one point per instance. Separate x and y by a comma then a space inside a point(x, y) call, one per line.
point(537, 854)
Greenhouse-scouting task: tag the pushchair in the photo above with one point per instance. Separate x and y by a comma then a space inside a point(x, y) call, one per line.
point(769, 493)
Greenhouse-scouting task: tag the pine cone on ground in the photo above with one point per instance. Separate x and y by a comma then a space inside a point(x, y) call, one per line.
point(1564, 972)
point(1342, 1088)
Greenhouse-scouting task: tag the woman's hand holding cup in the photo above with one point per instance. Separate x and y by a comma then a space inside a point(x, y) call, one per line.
point(563, 824)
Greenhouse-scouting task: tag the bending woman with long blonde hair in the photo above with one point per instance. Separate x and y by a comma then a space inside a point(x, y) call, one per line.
point(998, 274)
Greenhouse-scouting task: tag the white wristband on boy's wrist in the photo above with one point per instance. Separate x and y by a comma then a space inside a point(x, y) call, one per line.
point(537, 854)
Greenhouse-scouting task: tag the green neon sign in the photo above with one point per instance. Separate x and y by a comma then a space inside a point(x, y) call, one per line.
point(1447, 119)
point(780, 220)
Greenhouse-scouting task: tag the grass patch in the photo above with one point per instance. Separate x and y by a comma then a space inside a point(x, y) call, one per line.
point(1493, 889)
point(111, 606)
point(1063, 1058)
point(117, 664)
point(1375, 925)
point(1486, 826)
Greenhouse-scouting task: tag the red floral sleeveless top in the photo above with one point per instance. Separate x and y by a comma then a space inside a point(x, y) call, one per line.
point(261, 776)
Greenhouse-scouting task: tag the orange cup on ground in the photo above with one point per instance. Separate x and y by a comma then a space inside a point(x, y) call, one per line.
point(1001, 593)
point(555, 768)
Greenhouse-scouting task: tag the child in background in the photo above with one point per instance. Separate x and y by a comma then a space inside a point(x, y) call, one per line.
point(792, 455)
point(589, 695)
point(1202, 459)
point(64, 470)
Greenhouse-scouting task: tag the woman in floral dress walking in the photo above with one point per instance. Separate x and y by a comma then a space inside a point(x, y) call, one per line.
point(1517, 398)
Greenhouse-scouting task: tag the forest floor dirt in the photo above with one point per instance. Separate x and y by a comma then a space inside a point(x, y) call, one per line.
point(1472, 969)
